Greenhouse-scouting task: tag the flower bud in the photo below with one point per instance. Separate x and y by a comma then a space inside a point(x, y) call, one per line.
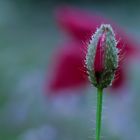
point(102, 57)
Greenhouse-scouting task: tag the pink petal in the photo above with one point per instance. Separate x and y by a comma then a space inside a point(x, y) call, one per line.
point(79, 24)
point(99, 55)
point(69, 63)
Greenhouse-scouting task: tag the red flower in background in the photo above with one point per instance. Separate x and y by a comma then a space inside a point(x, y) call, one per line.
point(69, 67)
point(80, 25)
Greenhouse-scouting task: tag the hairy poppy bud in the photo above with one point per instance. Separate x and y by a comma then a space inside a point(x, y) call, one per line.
point(102, 57)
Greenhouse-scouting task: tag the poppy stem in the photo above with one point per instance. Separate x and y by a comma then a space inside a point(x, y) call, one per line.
point(99, 112)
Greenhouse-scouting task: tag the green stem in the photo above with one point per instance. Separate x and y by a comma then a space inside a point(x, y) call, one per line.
point(99, 113)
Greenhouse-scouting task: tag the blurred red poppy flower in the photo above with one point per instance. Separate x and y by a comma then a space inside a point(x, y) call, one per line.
point(69, 67)
point(80, 25)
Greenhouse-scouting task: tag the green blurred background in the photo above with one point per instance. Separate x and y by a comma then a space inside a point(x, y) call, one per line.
point(28, 36)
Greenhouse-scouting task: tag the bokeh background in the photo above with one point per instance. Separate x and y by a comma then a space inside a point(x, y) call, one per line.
point(29, 40)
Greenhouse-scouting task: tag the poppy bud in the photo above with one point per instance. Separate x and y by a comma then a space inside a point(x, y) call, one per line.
point(102, 57)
